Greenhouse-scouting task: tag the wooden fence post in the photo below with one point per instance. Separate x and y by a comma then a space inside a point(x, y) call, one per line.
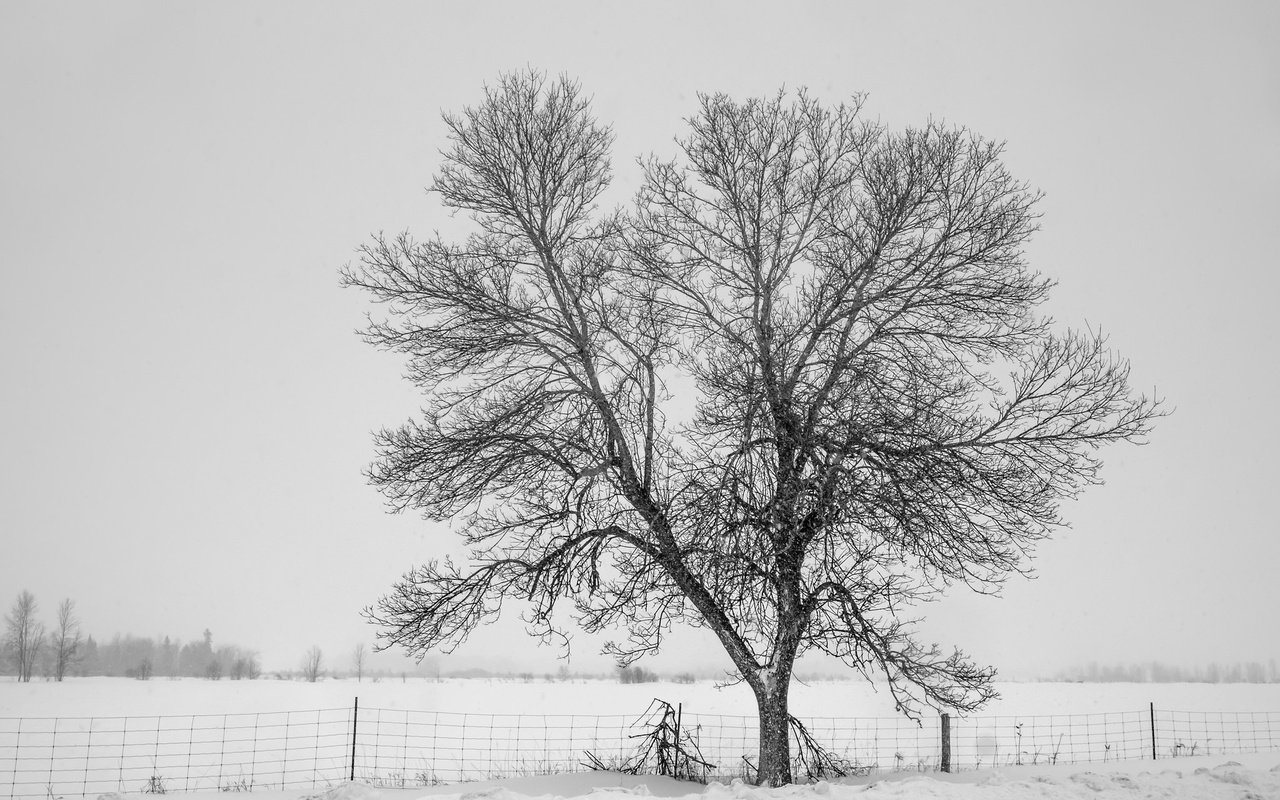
point(946, 742)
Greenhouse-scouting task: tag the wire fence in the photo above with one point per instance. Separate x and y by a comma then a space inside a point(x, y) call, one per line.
point(1190, 733)
point(58, 757)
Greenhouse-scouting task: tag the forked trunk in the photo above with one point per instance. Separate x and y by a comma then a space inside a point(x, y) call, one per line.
point(775, 735)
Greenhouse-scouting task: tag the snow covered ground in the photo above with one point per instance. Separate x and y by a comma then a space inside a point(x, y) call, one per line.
point(1255, 777)
point(100, 697)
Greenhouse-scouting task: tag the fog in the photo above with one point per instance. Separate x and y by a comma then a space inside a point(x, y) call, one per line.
point(186, 409)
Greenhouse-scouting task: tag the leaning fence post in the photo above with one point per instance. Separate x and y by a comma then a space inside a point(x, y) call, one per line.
point(13, 777)
point(946, 742)
point(355, 717)
point(675, 771)
point(1153, 731)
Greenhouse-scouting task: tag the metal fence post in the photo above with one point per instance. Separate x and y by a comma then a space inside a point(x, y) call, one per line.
point(355, 717)
point(53, 748)
point(17, 744)
point(88, 750)
point(675, 771)
point(946, 742)
point(1153, 731)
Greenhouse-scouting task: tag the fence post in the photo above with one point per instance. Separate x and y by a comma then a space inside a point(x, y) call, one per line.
point(13, 778)
point(1153, 731)
point(675, 772)
point(946, 742)
point(124, 739)
point(53, 748)
point(88, 750)
point(355, 717)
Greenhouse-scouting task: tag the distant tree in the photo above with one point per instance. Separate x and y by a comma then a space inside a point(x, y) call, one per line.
point(878, 409)
point(167, 660)
point(635, 674)
point(24, 635)
point(228, 656)
point(123, 654)
point(253, 670)
point(215, 668)
point(143, 671)
point(91, 660)
point(311, 665)
point(358, 657)
point(194, 657)
point(65, 641)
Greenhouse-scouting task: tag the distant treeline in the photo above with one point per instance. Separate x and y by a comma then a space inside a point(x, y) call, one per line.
point(29, 649)
point(143, 658)
point(1157, 672)
point(140, 657)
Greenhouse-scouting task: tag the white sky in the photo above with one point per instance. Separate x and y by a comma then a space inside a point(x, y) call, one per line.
point(185, 410)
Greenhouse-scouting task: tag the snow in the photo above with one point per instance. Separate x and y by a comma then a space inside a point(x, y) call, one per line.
point(1251, 777)
point(102, 697)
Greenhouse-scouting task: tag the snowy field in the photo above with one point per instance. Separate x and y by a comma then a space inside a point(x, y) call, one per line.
point(81, 697)
point(1193, 778)
point(87, 736)
point(1199, 778)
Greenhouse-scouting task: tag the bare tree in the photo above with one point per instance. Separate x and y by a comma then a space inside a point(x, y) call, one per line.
point(65, 641)
point(358, 657)
point(872, 409)
point(311, 665)
point(24, 635)
point(244, 664)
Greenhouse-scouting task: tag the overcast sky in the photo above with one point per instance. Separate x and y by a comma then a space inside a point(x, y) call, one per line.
point(186, 410)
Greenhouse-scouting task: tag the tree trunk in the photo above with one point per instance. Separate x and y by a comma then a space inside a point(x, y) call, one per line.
point(775, 734)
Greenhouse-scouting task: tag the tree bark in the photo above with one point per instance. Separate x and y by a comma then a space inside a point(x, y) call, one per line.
point(775, 733)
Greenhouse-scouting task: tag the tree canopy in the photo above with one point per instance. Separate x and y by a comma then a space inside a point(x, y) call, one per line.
point(799, 385)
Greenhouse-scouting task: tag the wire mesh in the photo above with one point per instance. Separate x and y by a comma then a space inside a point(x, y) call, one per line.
point(422, 748)
point(996, 741)
point(69, 756)
point(1192, 733)
point(42, 757)
point(864, 744)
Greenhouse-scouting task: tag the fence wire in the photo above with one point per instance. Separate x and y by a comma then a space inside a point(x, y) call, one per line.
point(69, 756)
point(999, 741)
point(423, 748)
point(1191, 733)
point(43, 757)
